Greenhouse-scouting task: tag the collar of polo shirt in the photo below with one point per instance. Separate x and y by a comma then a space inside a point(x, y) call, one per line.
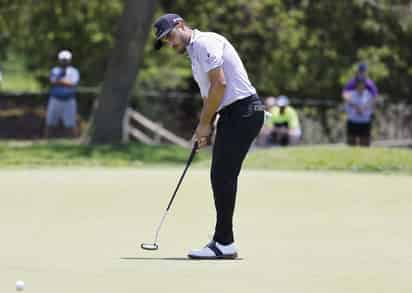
point(195, 33)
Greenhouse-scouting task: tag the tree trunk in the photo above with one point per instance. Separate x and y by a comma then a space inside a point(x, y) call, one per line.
point(134, 26)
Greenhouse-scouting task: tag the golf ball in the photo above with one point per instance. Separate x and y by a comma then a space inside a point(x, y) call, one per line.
point(19, 285)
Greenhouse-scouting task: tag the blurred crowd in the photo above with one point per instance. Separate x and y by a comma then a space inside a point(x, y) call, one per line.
point(282, 124)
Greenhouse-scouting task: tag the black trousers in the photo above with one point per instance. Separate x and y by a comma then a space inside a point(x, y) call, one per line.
point(238, 125)
point(358, 133)
point(277, 138)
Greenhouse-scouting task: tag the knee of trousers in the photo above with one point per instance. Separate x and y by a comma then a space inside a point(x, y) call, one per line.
point(221, 180)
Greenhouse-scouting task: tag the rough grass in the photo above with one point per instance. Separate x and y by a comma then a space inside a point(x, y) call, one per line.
point(65, 153)
point(333, 158)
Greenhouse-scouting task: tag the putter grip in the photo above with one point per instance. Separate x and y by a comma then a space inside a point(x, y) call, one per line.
point(195, 146)
point(192, 155)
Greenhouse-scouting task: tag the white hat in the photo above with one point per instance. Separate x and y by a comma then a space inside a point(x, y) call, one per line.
point(64, 55)
point(283, 101)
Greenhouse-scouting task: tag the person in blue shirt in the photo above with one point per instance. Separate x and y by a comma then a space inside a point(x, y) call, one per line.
point(64, 79)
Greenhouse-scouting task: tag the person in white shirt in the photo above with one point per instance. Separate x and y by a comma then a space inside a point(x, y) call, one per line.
point(359, 106)
point(226, 91)
point(62, 101)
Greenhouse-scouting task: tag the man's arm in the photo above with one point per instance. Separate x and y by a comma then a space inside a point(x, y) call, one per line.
point(215, 95)
point(347, 89)
point(211, 104)
point(370, 85)
point(64, 82)
point(70, 78)
point(293, 118)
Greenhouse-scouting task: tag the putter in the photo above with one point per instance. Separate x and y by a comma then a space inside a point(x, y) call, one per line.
point(154, 245)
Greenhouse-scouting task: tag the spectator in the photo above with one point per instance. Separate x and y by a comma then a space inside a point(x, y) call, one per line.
point(270, 102)
point(285, 123)
point(361, 72)
point(62, 102)
point(263, 138)
point(359, 106)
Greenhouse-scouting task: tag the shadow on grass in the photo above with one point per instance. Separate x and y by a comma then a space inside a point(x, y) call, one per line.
point(178, 259)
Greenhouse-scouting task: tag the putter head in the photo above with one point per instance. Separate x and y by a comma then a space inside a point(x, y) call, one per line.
point(149, 246)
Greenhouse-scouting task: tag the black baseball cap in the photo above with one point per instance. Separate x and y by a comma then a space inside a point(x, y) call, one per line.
point(163, 26)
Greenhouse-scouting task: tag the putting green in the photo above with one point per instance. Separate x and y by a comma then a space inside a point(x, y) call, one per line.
point(79, 230)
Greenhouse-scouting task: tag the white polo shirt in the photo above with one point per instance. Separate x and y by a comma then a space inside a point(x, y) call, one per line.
point(208, 51)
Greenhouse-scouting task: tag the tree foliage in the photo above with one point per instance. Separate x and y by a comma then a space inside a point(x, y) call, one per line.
point(310, 48)
point(304, 48)
point(38, 29)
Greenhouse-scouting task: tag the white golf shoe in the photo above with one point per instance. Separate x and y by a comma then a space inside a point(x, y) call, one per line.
point(214, 250)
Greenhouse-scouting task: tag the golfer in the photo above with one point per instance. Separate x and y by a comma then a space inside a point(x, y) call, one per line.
point(226, 90)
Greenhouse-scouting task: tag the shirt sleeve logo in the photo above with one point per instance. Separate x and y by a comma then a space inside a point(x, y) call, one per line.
point(210, 58)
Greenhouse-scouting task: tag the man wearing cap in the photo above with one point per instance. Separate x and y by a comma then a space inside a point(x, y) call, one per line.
point(62, 102)
point(359, 109)
point(226, 91)
point(285, 123)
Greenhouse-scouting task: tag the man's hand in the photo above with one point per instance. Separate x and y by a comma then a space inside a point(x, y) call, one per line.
point(347, 96)
point(202, 134)
point(65, 82)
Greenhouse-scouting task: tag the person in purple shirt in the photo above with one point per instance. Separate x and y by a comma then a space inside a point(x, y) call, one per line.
point(359, 106)
point(370, 85)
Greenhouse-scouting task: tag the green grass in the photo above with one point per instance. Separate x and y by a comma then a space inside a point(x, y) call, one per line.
point(336, 158)
point(15, 81)
point(66, 153)
point(79, 230)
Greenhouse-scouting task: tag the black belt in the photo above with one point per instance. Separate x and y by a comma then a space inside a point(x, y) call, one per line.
point(250, 99)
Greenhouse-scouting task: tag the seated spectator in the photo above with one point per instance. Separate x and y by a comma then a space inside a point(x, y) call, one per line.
point(359, 106)
point(263, 137)
point(285, 124)
point(270, 102)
